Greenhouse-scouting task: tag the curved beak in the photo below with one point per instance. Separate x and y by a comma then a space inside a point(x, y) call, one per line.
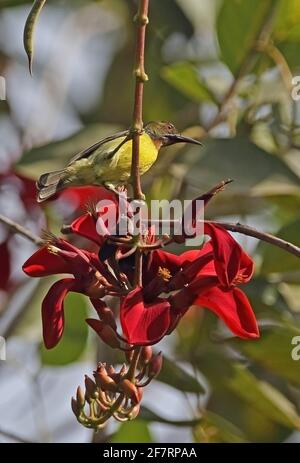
point(171, 139)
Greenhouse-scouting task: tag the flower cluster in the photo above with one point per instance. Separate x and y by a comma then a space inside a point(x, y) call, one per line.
point(207, 277)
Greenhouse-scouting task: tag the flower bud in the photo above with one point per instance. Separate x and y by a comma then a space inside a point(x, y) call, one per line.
point(106, 314)
point(80, 397)
point(110, 370)
point(74, 407)
point(146, 354)
point(105, 333)
point(105, 382)
point(155, 365)
point(108, 318)
point(140, 393)
point(130, 390)
point(90, 389)
point(134, 412)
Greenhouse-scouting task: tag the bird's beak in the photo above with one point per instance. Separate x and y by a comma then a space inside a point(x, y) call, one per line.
point(171, 139)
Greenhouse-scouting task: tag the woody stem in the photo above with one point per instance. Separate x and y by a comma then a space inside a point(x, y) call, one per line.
point(141, 77)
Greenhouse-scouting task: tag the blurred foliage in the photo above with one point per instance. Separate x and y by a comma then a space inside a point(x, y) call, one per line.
point(203, 62)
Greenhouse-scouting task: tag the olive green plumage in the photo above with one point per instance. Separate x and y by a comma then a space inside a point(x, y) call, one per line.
point(108, 162)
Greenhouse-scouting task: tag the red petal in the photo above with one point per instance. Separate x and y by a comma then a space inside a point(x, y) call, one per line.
point(246, 267)
point(5, 266)
point(227, 253)
point(142, 323)
point(85, 226)
point(43, 263)
point(234, 308)
point(53, 311)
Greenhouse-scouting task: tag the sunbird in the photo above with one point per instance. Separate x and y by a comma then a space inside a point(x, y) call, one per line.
point(108, 162)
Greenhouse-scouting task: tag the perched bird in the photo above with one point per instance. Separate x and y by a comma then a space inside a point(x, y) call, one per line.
point(108, 162)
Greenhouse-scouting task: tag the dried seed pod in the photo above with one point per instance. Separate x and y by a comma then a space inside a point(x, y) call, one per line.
point(29, 29)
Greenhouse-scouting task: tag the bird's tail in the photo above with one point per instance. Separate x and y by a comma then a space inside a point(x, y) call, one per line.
point(49, 184)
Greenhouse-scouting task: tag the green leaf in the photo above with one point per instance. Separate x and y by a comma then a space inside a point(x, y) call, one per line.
point(239, 24)
point(278, 260)
point(264, 398)
point(287, 22)
point(273, 351)
point(10, 3)
point(186, 79)
point(237, 158)
point(175, 376)
point(133, 432)
point(213, 428)
point(149, 415)
point(74, 340)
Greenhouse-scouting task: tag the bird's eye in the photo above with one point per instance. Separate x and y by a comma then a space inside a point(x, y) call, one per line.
point(171, 127)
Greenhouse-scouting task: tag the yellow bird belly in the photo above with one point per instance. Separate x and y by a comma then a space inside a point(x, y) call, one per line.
point(119, 169)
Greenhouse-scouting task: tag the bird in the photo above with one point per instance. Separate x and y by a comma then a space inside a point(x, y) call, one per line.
point(108, 162)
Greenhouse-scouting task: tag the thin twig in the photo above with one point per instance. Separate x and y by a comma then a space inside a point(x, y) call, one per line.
point(17, 228)
point(263, 36)
point(141, 77)
point(249, 231)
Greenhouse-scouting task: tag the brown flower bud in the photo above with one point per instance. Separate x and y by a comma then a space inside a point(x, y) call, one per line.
point(90, 389)
point(146, 354)
point(80, 397)
point(155, 365)
point(105, 382)
point(130, 390)
point(140, 393)
point(105, 314)
point(74, 407)
point(105, 332)
point(134, 412)
point(107, 317)
point(111, 370)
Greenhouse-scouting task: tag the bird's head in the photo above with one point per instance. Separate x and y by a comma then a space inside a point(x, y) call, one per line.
point(166, 134)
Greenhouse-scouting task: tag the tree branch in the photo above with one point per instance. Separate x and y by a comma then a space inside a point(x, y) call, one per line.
point(140, 78)
point(263, 36)
point(17, 228)
point(249, 231)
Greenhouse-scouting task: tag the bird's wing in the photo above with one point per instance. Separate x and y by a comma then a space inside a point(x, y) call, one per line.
point(86, 152)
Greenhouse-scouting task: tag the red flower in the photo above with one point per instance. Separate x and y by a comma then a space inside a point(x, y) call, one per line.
point(96, 225)
point(59, 256)
point(19, 191)
point(207, 277)
point(5, 266)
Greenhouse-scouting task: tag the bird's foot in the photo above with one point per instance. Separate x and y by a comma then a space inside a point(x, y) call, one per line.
point(120, 192)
